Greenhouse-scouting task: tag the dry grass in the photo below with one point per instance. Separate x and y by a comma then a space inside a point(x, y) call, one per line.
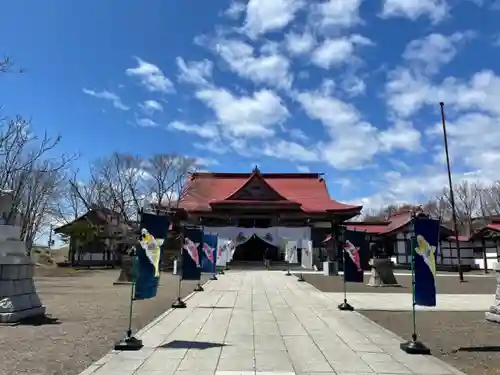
point(88, 315)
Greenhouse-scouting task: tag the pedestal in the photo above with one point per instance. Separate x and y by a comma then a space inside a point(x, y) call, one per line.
point(330, 269)
point(382, 273)
point(18, 297)
point(494, 314)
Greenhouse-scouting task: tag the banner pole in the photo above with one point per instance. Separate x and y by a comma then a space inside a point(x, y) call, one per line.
point(179, 303)
point(414, 346)
point(130, 343)
point(345, 306)
point(214, 267)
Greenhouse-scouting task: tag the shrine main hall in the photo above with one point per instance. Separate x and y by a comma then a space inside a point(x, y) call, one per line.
point(264, 210)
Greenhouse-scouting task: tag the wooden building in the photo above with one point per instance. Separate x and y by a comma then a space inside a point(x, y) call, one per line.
point(260, 210)
point(479, 251)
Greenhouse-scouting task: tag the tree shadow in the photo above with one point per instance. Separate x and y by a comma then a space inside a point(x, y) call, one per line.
point(182, 344)
point(36, 321)
point(215, 307)
point(479, 349)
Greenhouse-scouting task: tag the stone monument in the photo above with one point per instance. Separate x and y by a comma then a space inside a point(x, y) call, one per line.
point(18, 297)
point(381, 273)
point(494, 314)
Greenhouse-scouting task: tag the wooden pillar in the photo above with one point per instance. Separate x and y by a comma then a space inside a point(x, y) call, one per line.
point(485, 256)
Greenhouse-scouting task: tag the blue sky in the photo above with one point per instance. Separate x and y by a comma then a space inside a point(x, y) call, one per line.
point(349, 88)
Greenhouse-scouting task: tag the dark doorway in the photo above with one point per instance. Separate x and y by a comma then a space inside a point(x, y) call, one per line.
point(253, 250)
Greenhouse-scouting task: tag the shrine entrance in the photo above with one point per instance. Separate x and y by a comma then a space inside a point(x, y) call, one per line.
point(253, 250)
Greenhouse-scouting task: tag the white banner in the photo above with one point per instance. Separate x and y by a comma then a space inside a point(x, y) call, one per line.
point(224, 247)
point(291, 252)
point(307, 255)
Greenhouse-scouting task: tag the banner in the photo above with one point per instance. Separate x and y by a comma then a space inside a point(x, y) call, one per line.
point(424, 260)
point(209, 254)
point(148, 255)
point(223, 251)
point(353, 272)
point(157, 225)
point(191, 249)
point(291, 252)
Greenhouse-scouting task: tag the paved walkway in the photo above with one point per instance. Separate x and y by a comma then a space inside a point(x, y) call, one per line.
point(262, 323)
point(403, 301)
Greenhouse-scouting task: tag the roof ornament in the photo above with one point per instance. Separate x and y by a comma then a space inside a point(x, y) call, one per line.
point(256, 170)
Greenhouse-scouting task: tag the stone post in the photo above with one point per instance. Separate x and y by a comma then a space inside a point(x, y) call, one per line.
point(494, 314)
point(18, 297)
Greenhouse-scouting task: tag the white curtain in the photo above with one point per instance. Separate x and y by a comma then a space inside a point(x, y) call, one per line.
point(276, 236)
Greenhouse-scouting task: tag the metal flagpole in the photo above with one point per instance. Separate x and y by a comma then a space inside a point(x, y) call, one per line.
point(179, 303)
point(345, 306)
point(130, 342)
point(198, 287)
point(452, 196)
point(214, 256)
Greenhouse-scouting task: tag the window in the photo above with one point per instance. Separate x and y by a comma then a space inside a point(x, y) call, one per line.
point(408, 246)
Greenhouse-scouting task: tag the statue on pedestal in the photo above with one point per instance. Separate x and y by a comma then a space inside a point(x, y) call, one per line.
point(18, 297)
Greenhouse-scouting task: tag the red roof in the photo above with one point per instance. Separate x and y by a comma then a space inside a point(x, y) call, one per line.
point(367, 227)
point(307, 191)
point(494, 225)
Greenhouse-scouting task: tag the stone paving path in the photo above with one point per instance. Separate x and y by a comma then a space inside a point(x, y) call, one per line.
point(262, 323)
point(403, 301)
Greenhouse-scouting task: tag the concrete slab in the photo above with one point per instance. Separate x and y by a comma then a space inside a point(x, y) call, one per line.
point(263, 323)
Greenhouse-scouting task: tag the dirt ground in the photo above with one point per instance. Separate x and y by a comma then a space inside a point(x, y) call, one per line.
point(87, 315)
point(463, 339)
point(444, 284)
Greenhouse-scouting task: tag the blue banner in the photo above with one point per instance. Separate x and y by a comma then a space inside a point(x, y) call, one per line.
point(157, 225)
point(148, 253)
point(424, 260)
point(191, 249)
point(353, 272)
point(208, 257)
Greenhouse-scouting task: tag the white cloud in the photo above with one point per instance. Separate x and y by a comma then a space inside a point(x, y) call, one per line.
point(206, 162)
point(151, 106)
point(290, 151)
point(402, 136)
point(250, 116)
point(337, 13)
point(107, 95)
point(151, 77)
point(297, 134)
point(146, 123)
point(353, 85)
point(299, 44)
point(204, 131)
point(338, 51)
point(235, 10)
point(195, 72)
point(270, 68)
point(436, 10)
point(263, 16)
point(303, 169)
point(435, 50)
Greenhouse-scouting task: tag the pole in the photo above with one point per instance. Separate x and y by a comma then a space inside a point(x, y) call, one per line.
point(130, 342)
point(452, 195)
point(414, 346)
point(50, 237)
point(345, 306)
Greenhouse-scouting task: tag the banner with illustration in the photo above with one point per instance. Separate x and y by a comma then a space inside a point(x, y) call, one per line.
point(424, 260)
point(351, 249)
point(208, 257)
point(149, 252)
point(191, 249)
point(291, 252)
point(223, 251)
point(307, 254)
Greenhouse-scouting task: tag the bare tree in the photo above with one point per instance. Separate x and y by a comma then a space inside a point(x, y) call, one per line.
point(466, 205)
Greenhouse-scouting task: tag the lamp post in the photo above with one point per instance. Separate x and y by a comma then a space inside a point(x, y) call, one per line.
point(452, 196)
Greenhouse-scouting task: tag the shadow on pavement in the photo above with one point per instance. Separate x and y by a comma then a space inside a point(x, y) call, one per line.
point(181, 344)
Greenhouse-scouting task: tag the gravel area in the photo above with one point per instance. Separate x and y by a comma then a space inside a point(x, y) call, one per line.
point(462, 339)
point(445, 285)
point(87, 315)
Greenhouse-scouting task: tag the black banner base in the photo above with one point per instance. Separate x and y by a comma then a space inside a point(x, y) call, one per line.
point(179, 304)
point(129, 344)
point(415, 347)
point(301, 278)
point(198, 288)
point(221, 272)
point(213, 277)
point(344, 306)
point(288, 273)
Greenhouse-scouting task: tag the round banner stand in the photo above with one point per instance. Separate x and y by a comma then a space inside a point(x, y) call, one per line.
point(301, 278)
point(214, 277)
point(198, 288)
point(345, 306)
point(415, 347)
